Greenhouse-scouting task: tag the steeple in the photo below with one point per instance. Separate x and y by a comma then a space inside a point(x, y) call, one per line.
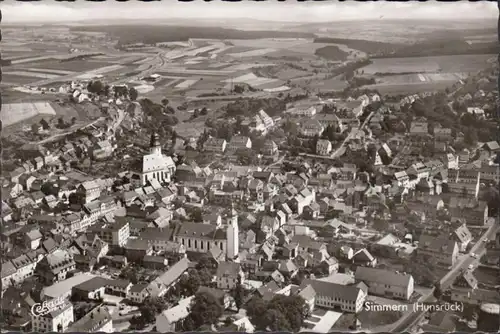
point(154, 144)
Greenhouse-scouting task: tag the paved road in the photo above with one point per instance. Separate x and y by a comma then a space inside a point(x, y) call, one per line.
point(412, 318)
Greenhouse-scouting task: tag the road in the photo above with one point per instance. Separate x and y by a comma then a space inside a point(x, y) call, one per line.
point(275, 163)
point(344, 143)
point(56, 136)
point(410, 319)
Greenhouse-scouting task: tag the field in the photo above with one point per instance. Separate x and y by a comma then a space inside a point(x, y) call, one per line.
point(18, 112)
point(409, 87)
point(447, 64)
point(74, 65)
point(8, 79)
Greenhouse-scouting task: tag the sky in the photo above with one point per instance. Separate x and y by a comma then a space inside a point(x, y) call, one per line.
point(323, 11)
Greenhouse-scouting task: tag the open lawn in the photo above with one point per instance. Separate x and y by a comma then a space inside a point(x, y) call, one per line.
point(446, 64)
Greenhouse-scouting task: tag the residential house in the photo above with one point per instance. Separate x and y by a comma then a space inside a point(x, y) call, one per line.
point(363, 258)
point(171, 320)
point(55, 266)
point(138, 293)
point(323, 147)
point(215, 145)
point(440, 249)
point(311, 128)
point(98, 320)
point(228, 275)
point(462, 236)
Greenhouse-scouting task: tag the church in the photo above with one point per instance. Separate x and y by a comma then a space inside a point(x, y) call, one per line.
point(155, 165)
point(200, 238)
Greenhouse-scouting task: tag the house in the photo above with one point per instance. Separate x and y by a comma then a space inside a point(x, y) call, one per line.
point(239, 143)
point(229, 275)
point(33, 239)
point(98, 320)
point(215, 145)
point(55, 266)
point(159, 286)
point(171, 319)
point(311, 128)
point(364, 258)
point(462, 236)
point(474, 212)
point(440, 249)
point(138, 293)
point(386, 283)
point(323, 147)
point(336, 296)
point(419, 130)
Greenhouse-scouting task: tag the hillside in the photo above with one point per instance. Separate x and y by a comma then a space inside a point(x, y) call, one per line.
point(128, 34)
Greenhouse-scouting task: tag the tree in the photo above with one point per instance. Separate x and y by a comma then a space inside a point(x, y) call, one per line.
point(197, 215)
point(204, 111)
point(165, 101)
point(284, 313)
point(95, 87)
point(133, 93)
point(470, 136)
point(239, 295)
point(205, 309)
point(174, 137)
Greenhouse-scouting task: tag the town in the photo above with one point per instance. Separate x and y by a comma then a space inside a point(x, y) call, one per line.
point(150, 197)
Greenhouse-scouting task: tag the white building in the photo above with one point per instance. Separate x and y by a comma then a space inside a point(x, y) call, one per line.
point(386, 283)
point(336, 296)
point(57, 320)
point(323, 147)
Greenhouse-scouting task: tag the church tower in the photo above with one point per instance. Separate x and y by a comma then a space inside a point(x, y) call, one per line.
point(232, 235)
point(154, 144)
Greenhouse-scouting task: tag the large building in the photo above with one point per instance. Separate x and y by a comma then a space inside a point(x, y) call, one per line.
point(155, 165)
point(56, 320)
point(201, 238)
point(386, 283)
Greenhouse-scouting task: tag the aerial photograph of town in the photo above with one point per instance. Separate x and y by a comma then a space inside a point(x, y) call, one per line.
point(255, 166)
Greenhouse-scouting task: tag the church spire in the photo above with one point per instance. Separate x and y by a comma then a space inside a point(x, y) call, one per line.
point(154, 143)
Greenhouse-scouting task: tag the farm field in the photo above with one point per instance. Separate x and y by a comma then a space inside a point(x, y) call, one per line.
point(17, 79)
point(420, 78)
point(33, 74)
point(18, 112)
point(409, 87)
point(75, 65)
point(447, 64)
